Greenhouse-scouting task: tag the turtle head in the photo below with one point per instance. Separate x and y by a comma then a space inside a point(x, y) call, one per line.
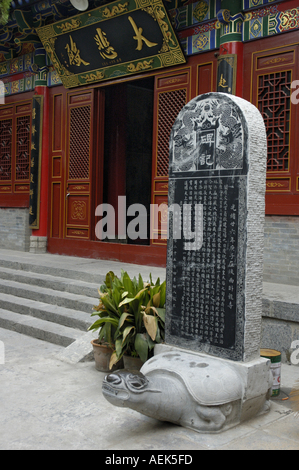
point(124, 386)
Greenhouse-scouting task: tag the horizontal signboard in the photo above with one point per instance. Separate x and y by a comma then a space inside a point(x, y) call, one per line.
point(117, 39)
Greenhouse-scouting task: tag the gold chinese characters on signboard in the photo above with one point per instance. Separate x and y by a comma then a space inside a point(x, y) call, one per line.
point(112, 41)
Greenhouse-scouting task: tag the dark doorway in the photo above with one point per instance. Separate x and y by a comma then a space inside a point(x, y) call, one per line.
point(128, 151)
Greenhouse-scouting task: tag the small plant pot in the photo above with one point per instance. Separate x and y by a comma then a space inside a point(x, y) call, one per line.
point(102, 355)
point(132, 363)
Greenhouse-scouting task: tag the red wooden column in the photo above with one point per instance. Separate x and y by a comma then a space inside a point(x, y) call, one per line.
point(235, 48)
point(38, 240)
point(231, 21)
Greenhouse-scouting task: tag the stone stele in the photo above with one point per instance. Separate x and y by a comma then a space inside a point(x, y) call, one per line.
point(214, 271)
point(208, 376)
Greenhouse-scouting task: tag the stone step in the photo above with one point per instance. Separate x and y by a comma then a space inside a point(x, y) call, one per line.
point(49, 303)
point(50, 296)
point(49, 281)
point(37, 328)
point(44, 311)
point(33, 265)
point(48, 293)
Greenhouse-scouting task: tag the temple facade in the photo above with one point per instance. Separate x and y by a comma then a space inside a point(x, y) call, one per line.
point(89, 94)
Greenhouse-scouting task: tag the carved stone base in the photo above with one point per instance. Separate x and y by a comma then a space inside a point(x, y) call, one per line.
point(196, 391)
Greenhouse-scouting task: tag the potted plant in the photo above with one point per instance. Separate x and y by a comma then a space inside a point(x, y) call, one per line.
point(132, 317)
point(142, 322)
point(107, 323)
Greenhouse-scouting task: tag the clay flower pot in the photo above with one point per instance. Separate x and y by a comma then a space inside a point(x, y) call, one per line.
point(102, 354)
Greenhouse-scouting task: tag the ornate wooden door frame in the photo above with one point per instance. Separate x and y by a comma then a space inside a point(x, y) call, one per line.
point(79, 165)
point(76, 162)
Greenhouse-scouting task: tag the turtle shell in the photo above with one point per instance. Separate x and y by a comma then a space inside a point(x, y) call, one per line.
point(209, 381)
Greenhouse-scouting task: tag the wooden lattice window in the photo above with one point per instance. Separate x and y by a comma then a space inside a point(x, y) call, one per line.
point(5, 149)
point(79, 142)
point(170, 104)
point(23, 148)
point(274, 103)
point(15, 153)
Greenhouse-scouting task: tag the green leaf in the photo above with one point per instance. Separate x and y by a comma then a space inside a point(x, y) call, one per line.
point(102, 321)
point(127, 300)
point(140, 283)
point(109, 306)
point(116, 296)
point(109, 279)
point(156, 299)
point(127, 330)
point(118, 283)
point(123, 318)
point(141, 346)
point(107, 332)
point(161, 313)
point(163, 294)
point(128, 284)
point(150, 342)
point(101, 334)
point(102, 290)
point(160, 334)
point(139, 294)
point(118, 347)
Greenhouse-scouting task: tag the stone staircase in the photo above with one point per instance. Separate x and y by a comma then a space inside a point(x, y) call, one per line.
point(51, 297)
point(46, 302)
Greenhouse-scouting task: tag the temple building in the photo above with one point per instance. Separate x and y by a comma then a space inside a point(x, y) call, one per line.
point(89, 93)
